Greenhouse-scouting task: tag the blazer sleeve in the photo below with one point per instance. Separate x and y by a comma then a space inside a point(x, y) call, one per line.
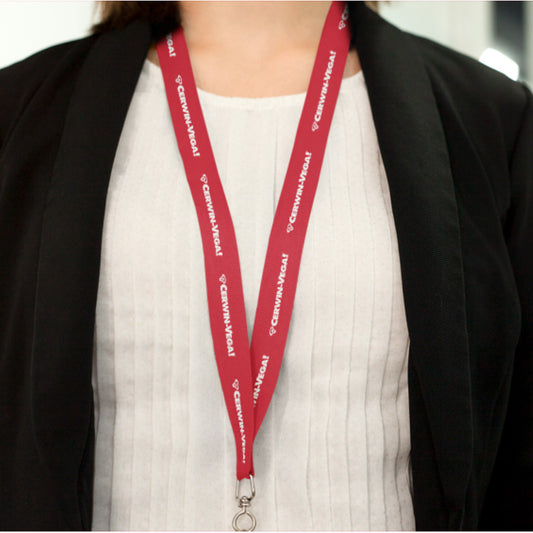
point(509, 501)
point(9, 99)
point(20, 81)
point(18, 84)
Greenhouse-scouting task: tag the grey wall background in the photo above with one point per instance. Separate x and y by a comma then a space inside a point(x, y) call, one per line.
point(465, 26)
point(28, 26)
point(529, 40)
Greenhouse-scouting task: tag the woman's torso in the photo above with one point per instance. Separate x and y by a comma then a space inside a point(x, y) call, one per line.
point(333, 451)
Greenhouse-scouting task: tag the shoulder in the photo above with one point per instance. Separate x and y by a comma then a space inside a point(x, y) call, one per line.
point(20, 81)
point(478, 95)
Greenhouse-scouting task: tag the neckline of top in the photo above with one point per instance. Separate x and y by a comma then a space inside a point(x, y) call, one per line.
point(153, 72)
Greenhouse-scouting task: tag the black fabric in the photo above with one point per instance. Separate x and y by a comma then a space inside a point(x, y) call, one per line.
point(457, 144)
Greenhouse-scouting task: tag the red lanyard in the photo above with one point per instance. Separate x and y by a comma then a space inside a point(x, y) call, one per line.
point(248, 374)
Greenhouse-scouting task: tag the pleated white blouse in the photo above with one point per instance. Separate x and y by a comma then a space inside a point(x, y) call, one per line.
point(333, 451)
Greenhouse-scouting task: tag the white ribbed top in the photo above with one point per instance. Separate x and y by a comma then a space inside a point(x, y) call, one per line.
point(333, 451)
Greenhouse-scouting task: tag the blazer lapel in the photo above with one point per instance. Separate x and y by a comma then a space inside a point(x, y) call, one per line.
point(70, 248)
point(415, 156)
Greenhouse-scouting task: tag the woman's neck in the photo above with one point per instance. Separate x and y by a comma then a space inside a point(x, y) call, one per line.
point(254, 49)
point(253, 29)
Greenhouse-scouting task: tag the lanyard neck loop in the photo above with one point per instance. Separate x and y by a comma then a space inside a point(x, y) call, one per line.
point(248, 373)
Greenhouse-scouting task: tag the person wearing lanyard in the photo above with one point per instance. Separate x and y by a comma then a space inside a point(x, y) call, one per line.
point(324, 253)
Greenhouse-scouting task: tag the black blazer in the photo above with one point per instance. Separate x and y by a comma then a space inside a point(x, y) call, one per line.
point(457, 143)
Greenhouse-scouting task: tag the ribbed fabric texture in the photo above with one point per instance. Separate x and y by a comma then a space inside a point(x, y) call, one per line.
point(333, 451)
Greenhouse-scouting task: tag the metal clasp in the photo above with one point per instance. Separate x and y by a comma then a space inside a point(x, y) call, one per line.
point(238, 489)
point(244, 503)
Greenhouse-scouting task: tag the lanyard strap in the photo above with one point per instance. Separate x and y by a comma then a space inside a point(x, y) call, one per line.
point(249, 374)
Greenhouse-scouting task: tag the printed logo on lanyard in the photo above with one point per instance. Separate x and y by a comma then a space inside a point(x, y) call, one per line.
point(248, 373)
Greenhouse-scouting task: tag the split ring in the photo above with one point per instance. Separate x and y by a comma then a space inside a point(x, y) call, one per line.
point(238, 517)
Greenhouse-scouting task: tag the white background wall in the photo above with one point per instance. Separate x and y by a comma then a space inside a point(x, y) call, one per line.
point(26, 27)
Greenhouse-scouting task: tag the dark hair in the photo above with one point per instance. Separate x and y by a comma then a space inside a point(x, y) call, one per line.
point(163, 16)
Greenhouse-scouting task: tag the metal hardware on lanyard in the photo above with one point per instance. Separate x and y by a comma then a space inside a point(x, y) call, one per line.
point(244, 503)
point(248, 373)
point(252, 489)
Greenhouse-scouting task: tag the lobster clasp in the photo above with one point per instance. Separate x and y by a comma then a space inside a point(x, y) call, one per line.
point(244, 520)
point(252, 489)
